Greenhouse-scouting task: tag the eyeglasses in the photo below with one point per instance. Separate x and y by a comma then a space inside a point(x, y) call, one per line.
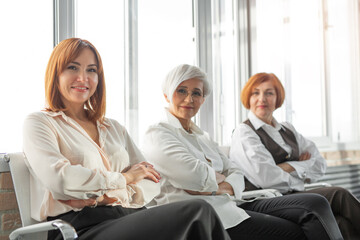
point(195, 95)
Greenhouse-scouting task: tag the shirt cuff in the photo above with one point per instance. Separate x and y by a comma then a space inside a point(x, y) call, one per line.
point(299, 169)
point(210, 183)
point(115, 180)
point(237, 182)
point(296, 184)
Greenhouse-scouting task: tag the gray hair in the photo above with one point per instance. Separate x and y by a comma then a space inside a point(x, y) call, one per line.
point(180, 74)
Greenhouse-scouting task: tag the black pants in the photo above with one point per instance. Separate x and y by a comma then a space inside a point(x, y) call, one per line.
point(193, 219)
point(300, 216)
point(346, 209)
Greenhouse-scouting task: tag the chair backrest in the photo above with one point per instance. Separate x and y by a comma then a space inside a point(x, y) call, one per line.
point(21, 179)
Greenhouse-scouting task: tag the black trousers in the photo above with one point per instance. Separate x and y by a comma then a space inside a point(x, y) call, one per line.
point(346, 209)
point(300, 216)
point(194, 219)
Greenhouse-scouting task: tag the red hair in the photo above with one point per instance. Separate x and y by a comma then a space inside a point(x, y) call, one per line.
point(255, 81)
point(64, 53)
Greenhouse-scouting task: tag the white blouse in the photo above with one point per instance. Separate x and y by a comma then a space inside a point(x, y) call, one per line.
point(248, 152)
point(65, 163)
point(189, 161)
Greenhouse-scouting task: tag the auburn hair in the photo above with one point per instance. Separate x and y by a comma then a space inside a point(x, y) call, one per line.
point(63, 54)
point(255, 81)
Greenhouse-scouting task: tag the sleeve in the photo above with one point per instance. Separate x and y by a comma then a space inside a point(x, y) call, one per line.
point(64, 180)
point(248, 152)
point(234, 175)
point(135, 155)
point(145, 190)
point(172, 159)
point(311, 169)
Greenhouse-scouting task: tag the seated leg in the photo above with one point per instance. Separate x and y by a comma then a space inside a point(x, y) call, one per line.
point(194, 219)
point(311, 211)
point(343, 204)
point(262, 226)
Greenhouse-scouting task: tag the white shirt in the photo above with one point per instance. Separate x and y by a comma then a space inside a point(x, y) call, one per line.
point(181, 159)
point(65, 163)
point(248, 152)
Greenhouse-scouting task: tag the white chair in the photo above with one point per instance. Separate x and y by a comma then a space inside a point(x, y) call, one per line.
point(309, 186)
point(31, 229)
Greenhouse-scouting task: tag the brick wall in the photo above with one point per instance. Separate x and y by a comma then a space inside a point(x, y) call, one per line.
point(9, 213)
point(342, 157)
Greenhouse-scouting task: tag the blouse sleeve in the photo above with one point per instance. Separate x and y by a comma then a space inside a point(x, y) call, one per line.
point(135, 155)
point(64, 180)
point(234, 175)
point(248, 152)
point(311, 169)
point(173, 160)
point(145, 189)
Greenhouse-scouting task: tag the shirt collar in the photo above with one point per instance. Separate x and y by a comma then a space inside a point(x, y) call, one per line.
point(173, 121)
point(258, 123)
point(66, 118)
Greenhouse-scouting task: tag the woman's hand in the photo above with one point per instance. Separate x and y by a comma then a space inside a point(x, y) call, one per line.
point(304, 156)
point(219, 177)
point(141, 171)
point(225, 187)
point(286, 167)
point(105, 200)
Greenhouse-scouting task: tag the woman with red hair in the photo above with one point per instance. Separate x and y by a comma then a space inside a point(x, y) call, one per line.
point(274, 155)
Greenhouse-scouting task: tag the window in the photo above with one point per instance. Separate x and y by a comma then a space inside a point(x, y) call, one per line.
point(291, 46)
point(343, 69)
point(226, 97)
point(102, 23)
point(158, 34)
point(25, 51)
point(165, 40)
point(312, 46)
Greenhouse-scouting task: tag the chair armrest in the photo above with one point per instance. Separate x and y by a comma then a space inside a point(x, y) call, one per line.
point(309, 186)
point(262, 193)
point(67, 231)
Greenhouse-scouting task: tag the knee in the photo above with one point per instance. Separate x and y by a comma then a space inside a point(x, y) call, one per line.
point(338, 194)
point(316, 201)
point(340, 191)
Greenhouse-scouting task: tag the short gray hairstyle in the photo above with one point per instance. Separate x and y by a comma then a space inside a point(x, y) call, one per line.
point(180, 74)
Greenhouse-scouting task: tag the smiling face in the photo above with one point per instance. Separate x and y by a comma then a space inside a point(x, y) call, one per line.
point(78, 82)
point(263, 101)
point(187, 99)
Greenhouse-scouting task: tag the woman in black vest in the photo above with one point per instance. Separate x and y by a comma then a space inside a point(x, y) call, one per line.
point(275, 155)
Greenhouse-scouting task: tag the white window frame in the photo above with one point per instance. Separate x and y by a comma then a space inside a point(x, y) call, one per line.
point(64, 20)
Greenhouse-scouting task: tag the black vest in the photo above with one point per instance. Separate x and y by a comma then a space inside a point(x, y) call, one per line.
point(278, 153)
